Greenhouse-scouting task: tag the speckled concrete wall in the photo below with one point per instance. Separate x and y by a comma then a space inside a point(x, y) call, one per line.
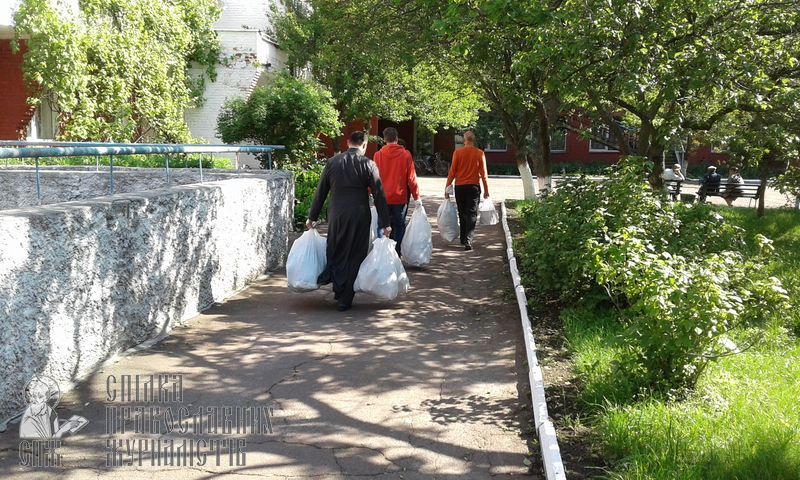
point(18, 185)
point(80, 281)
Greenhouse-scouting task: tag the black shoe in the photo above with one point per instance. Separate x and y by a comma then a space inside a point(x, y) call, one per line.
point(343, 307)
point(467, 247)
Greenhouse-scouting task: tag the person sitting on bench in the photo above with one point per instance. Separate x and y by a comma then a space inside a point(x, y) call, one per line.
point(673, 178)
point(733, 186)
point(709, 184)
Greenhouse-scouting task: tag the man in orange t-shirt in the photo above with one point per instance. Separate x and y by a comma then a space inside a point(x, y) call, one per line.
point(399, 178)
point(468, 166)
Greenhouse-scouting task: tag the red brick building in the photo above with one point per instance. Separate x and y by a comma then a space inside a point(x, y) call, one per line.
point(566, 147)
point(16, 113)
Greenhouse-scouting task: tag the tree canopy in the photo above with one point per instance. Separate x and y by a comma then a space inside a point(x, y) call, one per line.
point(667, 68)
point(117, 70)
point(649, 71)
point(367, 54)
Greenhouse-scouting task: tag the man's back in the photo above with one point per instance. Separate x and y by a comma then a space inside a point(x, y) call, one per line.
point(348, 172)
point(467, 166)
point(712, 179)
point(397, 173)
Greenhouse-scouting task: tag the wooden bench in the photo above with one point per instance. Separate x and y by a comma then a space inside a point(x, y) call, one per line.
point(750, 189)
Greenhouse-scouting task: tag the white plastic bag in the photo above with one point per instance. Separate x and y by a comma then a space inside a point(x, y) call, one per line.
point(373, 225)
point(487, 213)
point(306, 261)
point(447, 219)
point(417, 245)
point(382, 274)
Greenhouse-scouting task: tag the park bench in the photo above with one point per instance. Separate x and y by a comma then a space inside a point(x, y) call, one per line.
point(750, 189)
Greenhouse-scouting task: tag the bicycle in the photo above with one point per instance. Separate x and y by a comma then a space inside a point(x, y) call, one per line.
point(432, 164)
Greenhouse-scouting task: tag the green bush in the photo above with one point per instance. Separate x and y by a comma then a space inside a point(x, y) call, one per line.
point(287, 112)
point(676, 272)
point(502, 169)
point(306, 180)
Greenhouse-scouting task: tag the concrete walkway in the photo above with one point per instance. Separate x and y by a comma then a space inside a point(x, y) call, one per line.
point(430, 386)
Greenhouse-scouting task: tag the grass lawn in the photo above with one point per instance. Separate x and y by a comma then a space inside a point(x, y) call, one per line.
point(742, 421)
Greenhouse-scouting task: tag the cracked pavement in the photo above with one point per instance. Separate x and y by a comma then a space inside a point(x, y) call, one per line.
point(431, 386)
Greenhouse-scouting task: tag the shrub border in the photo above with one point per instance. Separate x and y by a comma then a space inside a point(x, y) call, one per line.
point(551, 454)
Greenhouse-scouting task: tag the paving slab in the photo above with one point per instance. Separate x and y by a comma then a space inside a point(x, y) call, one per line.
point(432, 385)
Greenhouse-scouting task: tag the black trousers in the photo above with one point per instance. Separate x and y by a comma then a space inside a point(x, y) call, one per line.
point(467, 199)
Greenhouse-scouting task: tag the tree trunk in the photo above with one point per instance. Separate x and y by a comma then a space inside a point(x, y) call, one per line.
point(654, 176)
point(525, 173)
point(654, 152)
point(543, 167)
point(516, 135)
point(763, 175)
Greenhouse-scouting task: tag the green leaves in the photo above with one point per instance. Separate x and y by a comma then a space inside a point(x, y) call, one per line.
point(387, 62)
point(674, 271)
point(118, 70)
point(675, 67)
point(286, 111)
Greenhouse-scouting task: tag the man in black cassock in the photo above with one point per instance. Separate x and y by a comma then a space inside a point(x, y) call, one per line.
point(349, 177)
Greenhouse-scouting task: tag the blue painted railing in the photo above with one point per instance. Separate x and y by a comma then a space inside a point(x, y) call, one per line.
point(48, 149)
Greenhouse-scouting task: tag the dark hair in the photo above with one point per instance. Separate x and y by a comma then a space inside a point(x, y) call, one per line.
point(358, 138)
point(390, 134)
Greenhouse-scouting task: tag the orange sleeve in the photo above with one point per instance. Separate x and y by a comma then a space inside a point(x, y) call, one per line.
point(483, 174)
point(451, 175)
point(412, 177)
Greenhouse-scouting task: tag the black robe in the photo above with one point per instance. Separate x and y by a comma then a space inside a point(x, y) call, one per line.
point(348, 176)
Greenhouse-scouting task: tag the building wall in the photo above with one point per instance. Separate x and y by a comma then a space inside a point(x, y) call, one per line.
point(577, 151)
point(405, 131)
point(330, 146)
point(247, 56)
point(83, 281)
point(15, 109)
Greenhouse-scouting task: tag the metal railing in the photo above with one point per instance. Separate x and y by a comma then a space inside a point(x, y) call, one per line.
point(49, 149)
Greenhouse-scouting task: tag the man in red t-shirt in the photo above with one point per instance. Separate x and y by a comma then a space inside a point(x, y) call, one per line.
point(396, 168)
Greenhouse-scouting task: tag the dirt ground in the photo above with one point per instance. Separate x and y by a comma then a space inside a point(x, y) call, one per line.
point(562, 387)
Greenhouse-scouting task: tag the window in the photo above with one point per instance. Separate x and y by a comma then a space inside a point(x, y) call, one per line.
point(495, 141)
point(44, 123)
point(719, 147)
point(605, 134)
point(558, 141)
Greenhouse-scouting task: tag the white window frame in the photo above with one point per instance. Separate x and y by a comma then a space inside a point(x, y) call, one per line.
point(719, 149)
point(489, 148)
point(458, 139)
point(605, 148)
point(562, 150)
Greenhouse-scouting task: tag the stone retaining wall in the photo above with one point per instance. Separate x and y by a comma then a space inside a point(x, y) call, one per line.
point(81, 281)
point(67, 184)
